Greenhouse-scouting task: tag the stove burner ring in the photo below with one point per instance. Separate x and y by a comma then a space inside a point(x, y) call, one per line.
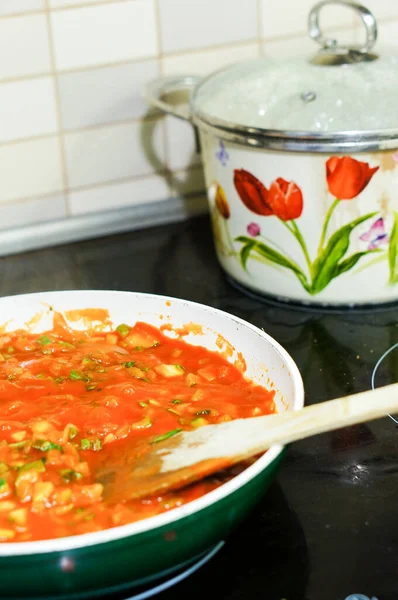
point(377, 365)
point(149, 593)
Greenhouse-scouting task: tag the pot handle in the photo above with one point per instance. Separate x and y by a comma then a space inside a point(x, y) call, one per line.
point(157, 89)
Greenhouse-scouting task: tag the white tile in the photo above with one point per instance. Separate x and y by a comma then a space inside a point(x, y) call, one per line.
point(382, 9)
point(206, 61)
point(30, 169)
point(200, 23)
point(107, 197)
point(9, 7)
point(181, 149)
point(387, 40)
point(117, 152)
point(28, 212)
point(24, 47)
point(105, 95)
point(294, 47)
point(189, 181)
point(290, 17)
point(104, 34)
point(27, 108)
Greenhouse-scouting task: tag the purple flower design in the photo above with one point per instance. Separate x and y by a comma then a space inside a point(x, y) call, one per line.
point(376, 236)
point(222, 154)
point(253, 229)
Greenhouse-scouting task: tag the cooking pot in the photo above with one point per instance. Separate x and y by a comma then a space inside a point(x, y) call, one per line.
point(116, 560)
point(301, 168)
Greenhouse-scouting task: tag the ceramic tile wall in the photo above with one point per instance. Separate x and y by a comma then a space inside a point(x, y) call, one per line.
point(77, 138)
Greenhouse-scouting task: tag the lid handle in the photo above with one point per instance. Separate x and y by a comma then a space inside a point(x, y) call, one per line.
point(331, 44)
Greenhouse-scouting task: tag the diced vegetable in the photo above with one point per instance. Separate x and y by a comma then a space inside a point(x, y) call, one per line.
point(18, 516)
point(85, 444)
point(169, 370)
point(205, 411)
point(165, 436)
point(44, 340)
point(128, 364)
point(36, 465)
point(123, 330)
point(199, 422)
point(97, 444)
point(143, 424)
point(3, 468)
point(176, 401)
point(6, 535)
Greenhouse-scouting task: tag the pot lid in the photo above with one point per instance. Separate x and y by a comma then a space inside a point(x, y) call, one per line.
point(341, 93)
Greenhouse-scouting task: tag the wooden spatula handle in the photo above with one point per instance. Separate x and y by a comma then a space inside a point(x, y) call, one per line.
point(244, 438)
point(327, 416)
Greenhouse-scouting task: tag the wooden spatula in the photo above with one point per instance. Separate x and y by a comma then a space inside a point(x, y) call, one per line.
point(192, 455)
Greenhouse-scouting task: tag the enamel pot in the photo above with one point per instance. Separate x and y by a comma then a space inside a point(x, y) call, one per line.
point(301, 168)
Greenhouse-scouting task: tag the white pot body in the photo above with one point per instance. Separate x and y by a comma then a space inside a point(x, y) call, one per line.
point(350, 278)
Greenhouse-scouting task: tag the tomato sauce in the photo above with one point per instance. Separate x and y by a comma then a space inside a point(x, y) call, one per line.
point(68, 397)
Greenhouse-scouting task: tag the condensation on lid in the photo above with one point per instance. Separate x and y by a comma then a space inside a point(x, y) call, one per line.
point(296, 95)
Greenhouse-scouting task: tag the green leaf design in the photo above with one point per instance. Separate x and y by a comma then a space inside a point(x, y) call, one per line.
point(352, 260)
point(326, 267)
point(245, 254)
point(393, 251)
point(271, 255)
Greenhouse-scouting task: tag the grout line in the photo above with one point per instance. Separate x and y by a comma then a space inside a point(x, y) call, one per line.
point(95, 186)
point(163, 125)
point(259, 27)
point(77, 5)
point(61, 141)
point(94, 127)
point(76, 70)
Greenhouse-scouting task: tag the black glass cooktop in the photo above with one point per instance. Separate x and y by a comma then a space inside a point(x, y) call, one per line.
point(328, 528)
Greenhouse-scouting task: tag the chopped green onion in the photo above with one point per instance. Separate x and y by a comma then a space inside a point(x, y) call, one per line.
point(78, 376)
point(205, 411)
point(180, 367)
point(45, 446)
point(44, 340)
point(17, 444)
point(176, 401)
point(85, 444)
point(165, 436)
point(72, 432)
point(97, 444)
point(143, 404)
point(3, 482)
point(10, 350)
point(69, 474)
point(123, 329)
point(36, 465)
point(66, 344)
point(91, 386)
point(128, 364)
point(59, 379)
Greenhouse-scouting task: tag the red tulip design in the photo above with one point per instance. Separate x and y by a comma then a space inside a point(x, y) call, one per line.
point(347, 177)
point(285, 199)
point(252, 192)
